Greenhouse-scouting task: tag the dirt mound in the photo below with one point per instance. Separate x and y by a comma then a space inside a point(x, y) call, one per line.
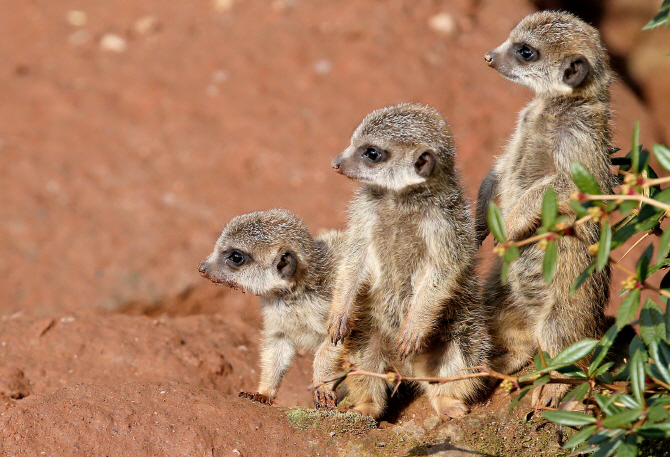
point(212, 352)
point(152, 420)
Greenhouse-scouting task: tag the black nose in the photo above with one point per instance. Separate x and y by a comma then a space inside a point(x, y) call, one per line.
point(337, 164)
point(202, 268)
point(489, 58)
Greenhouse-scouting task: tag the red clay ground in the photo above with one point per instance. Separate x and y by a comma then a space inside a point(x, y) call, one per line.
point(123, 155)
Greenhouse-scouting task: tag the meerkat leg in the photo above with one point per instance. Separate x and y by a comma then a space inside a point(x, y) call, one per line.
point(277, 352)
point(369, 393)
point(452, 356)
point(512, 338)
point(327, 362)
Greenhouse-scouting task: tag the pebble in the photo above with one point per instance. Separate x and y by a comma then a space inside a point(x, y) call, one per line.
point(76, 18)
point(113, 42)
point(147, 25)
point(443, 23)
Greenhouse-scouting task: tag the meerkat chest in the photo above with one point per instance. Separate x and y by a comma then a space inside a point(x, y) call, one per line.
point(529, 157)
point(304, 323)
point(396, 248)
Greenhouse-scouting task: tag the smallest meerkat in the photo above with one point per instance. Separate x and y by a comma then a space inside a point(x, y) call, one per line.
point(273, 255)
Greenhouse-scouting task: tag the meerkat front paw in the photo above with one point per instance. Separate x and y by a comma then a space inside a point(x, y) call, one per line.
point(449, 407)
point(549, 395)
point(339, 328)
point(257, 397)
point(408, 344)
point(325, 399)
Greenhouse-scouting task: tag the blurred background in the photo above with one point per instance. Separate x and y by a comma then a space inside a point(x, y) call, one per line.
point(131, 132)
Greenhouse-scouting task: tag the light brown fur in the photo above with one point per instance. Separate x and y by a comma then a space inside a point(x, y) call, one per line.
point(406, 287)
point(292, 273)
point(568, 120)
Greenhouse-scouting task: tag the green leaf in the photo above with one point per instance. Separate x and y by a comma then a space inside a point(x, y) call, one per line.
point(628, 308)
point(607, 448)
point(652, 323)
point(602, 373)
point(504, 272)
point(569, 418)
point(581, 436)
point(662, 154)
point(604, 246)
point(663, 246)
point(511, 254)
point(657, 413)
point(643, 263)
point(574, 352)
point(549, 208)
point(627, 206)
point(583, 276)
point(549, 262)
point(663, 17)
point(624, 418)
point(635, 148)
point(579, 208)
point(584, 180)
point(660, 354)
point(655, 431)
point(637, 377)
point(522, 393)
point(497, 223)
point(603, 347)
point(628, 447)
point(576, 394)
point(542, 380)
point(606, 404)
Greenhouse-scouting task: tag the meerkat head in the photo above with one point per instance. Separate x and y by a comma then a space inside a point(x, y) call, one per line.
point(397, 147)
point(553, 53)
point(265, 252)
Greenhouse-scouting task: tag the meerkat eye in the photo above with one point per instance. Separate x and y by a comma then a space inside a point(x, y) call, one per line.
point(374, 155)
point(236, 258)
point(527, 53)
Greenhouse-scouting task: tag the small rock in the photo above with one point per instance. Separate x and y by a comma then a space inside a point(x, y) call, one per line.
point(79, 37)
point(443, 23)
point(410, 430)
point(430, 423)
point(322, 67)
point(76, 18)
point(113, 42)
point(147, 25)
point(223, 5)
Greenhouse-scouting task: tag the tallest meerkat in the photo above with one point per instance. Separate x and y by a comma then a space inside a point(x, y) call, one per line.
point(563, 60)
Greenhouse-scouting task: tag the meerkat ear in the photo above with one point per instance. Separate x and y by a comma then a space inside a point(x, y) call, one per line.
point(286, 263)
point(425, 163)
point(575, 70)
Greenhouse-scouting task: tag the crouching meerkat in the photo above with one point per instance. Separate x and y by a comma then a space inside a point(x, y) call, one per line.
point(563, 60)
point(406, 288)
point(273, 255)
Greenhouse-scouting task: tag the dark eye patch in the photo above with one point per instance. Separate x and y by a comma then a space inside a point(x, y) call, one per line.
point(236, 258)
point(373, 154)
point(526, 53)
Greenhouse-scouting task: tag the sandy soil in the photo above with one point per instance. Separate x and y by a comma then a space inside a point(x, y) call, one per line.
point(131, 134)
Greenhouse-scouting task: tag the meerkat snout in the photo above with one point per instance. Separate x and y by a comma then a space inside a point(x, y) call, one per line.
point(489, 58)
point(337, 164)
point(202, 269)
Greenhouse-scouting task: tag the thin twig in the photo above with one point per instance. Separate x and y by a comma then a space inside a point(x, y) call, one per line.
point(541, 236)
point(633, 246)
point(637, 198)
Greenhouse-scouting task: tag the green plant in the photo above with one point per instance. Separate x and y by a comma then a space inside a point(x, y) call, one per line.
point(624, 405)
point(663, 16)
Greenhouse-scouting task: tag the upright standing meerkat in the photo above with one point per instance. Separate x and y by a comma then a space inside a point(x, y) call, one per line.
point(406, 287)
point(563, 60)
point(273, 255)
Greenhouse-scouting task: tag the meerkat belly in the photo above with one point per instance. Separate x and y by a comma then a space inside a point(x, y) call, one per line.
point(396, 255)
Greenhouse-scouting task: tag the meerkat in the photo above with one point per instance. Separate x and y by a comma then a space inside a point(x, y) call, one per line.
point(563, 60)
point(406, 289)
point(273, 255)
